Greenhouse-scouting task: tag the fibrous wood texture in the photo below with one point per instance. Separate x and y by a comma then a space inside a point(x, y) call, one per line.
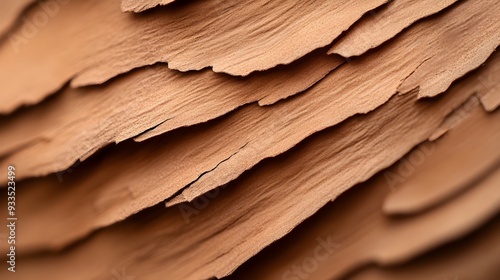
point(142, 5)
point(383, 24)
point(69, 120)
point(232, 37)
point(250, 139)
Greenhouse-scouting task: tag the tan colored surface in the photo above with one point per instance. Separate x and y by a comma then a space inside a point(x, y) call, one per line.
point(192, 36)
point(104, 199)
point(77, 122)
point(364, 235)
point(139, 184)
point(10, 10)
point(382, 24)
point(491, 101)
point(263, 206)
point(341, 95)
point(437, 71)
point(488, 85)
point(142, 5)
point(476, 257)
point(132, 169)
point(435, 172)
point(126, 194)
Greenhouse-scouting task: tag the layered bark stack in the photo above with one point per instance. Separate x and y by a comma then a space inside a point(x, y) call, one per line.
point(157, 139)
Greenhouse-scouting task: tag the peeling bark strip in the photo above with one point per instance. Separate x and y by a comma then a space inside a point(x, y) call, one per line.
point(264, 138)
point(365, 235)
point(79, 121)
point(297, 117)
point(261, 206)
point(382, 24)
point(346, 91)
point(191, 36)
point(138, 184)
point(185, 155)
